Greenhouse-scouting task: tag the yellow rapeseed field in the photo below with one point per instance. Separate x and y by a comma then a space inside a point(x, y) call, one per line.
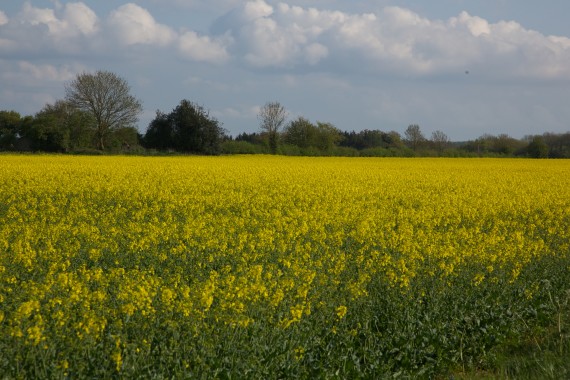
point(113, 264)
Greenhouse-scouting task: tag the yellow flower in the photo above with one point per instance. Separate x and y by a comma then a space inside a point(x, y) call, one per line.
point(341, 311)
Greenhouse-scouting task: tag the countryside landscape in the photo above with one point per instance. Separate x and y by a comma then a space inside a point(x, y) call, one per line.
point(298, 251)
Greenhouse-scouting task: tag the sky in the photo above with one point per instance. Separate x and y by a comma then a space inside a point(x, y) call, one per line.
point(464, 67)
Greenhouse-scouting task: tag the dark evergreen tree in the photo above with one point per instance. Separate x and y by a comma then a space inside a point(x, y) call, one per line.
point(159, 134)
point(188, 128)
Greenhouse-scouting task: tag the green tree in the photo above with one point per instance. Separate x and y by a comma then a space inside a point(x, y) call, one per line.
point(159, 134)
point(195, 130)
point(60, 127)
point(272, 118)
point(504, 144)
point(124, 139)
point(537, 148)
point(300, 132)
point(482, 144)
point(188, 128)
point(304, 134)
point(327, 136)
point(558, 144)
point(107, 98)
point(414, 136)
point(10, 122)
point(394, 140)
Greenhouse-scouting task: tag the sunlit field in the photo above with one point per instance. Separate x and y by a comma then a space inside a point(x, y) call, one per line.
point(279, 267)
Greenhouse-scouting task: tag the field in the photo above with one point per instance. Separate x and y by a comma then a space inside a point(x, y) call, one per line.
point(275, 267)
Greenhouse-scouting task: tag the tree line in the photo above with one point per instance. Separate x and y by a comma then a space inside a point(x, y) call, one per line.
point(99, 113)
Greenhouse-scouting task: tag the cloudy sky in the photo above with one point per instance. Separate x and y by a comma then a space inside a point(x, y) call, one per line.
point(465, 67)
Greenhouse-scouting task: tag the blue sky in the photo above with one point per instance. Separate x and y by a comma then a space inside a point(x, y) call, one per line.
point(465, 67)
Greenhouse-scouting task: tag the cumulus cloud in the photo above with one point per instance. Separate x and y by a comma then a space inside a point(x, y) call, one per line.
point(264, 34)
point(27, 73)
point(204, 48)
point(76, 19)
point(132, 24)
point(268, 36)
point(47, 72)
point(79, 17)
point(38, 30)
point(393, 40)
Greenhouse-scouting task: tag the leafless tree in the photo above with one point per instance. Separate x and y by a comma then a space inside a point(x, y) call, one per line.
point(272, 117)
point(107, 98)
point(414, 136)
point(439, 140)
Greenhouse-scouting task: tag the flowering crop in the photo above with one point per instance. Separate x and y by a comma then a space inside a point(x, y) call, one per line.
point(186, 265)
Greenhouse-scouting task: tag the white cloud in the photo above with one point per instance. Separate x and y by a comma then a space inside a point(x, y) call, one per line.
point(257, 9)
point(204, 48)
point(267, 36)
point(315, 52)
point(27, 86)
point(392, 41)
point(135, 25)
point(69, 29)
point(3, 18)
point(47, 72)
point(77, 19)
point(30, 74)
point(476, 25)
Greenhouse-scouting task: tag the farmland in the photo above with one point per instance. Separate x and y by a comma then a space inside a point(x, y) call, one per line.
point(277, 267)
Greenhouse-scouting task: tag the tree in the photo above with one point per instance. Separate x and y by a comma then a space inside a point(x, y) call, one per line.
point(9, 129)
point(537, 148)
point(194, 129)
point(159, 134)
point(327, 136)
point(439, 140)
point(506, 145)
point(414, 136)
point(300, 132)
point(272, 117)
point(60, 127)
point(394, 140)
point(188, 128)
point(304, 134)
point(107, 98)
point(558, 144)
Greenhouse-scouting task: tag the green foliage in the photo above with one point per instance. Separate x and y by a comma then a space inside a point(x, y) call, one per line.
point(371, 139)
point(311, 139)
point(538, 148)
point(9, 128)
point(559, 144)
point(241, 147)
point(60, 128)
point(124, 139)
point(188, 128)
point(300, 132)
point(160, 134)
point(435, 328)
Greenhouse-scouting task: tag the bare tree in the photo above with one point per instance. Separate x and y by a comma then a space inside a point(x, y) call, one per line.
point(439, 140)
point(107, 97)
point(414, 136)
point(272, 117)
